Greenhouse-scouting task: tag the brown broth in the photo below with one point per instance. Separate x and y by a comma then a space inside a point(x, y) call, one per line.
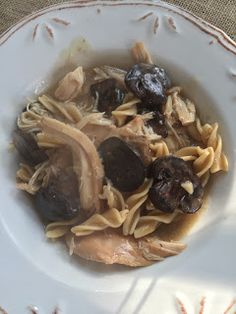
point(181, 226)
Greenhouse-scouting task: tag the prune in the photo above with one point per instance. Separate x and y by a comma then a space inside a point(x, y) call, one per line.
point(149, 83)
point(167, 194)
point(53, 205)
point(27, 148)
point(122, 165)
point(109, 95)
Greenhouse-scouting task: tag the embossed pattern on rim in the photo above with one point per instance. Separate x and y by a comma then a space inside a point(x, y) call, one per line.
point(221, 37)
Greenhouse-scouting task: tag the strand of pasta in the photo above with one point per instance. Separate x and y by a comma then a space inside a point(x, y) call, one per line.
point(211, 138)
point(148, 224)
point(134, 203)
point(114, 197)
point(204, 162)
point(111, 218)
point(189, 153)
point(159, 149)
point(56, 230)
point(202, 158)
point(128, 109)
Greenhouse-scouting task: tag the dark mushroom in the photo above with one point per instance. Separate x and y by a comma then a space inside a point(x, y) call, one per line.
point(149, 83)
point(122, 165)
point(27, 148)
point(109, 95)
point(54, 205)
point(167, 193)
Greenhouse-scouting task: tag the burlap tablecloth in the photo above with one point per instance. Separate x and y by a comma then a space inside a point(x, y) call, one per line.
point(221, 13)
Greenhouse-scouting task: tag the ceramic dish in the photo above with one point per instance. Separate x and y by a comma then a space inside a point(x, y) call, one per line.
point(34, 274)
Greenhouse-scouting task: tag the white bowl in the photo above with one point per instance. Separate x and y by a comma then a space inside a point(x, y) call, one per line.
point(199, 57)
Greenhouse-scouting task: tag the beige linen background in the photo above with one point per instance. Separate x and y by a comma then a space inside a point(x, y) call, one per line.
point(221, 13)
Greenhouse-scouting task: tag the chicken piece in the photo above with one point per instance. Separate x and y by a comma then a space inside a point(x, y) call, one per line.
point(133, 133)
point(70, 86)
point(140, 53)
point(98, 133)
point(185, 110)
point(86, 162)
point(112, 247)
point(106, 72)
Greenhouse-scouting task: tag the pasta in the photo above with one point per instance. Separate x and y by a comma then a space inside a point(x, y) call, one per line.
point(203, 159)
point(112, 218)
point(159, 149)
point(212, 157)
point(211, 138)
point(134, 203)
point(113, 197)
point(149, 223)
point(57, 230)
point(128, 109)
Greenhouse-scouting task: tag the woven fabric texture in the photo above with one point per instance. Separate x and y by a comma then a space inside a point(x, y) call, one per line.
point(221, 13)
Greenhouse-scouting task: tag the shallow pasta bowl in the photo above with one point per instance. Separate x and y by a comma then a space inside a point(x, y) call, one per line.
point(199, 57)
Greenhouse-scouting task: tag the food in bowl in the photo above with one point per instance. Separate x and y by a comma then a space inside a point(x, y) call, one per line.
point(116, 160)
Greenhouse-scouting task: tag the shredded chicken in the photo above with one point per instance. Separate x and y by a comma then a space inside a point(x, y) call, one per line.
point(111, 247)
point(185, 110)
point(70, 86)
point(116, 73)
point(133, 133)
point(180, 141)
point(140, 53)
point(86, 161)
